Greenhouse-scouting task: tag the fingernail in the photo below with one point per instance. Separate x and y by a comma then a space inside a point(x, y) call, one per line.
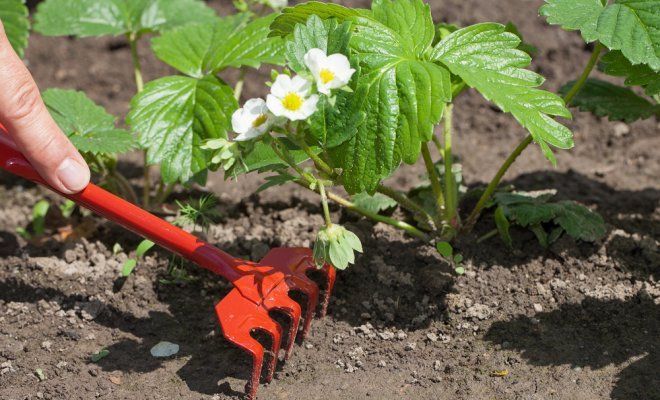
point(73, 176)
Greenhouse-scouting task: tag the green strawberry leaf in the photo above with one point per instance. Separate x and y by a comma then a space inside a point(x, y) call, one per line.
point(608, 100)
point(14, 17)
point(203, 49)
point(332, 125)
point(286, 22)
point(401, 95)
point(615, 63)
point(632, 26)
point(579, 15)
point(503, 226)
point(275, 180)
point(89, 127)
point(375, 204)
point(327, 35)
point(533, 210)
point(83, 18)
point(260, 156)
point(579, 221)
point(487, 59)
point(173, 117)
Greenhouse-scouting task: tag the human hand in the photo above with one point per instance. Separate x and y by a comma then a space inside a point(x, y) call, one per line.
point(24, 114)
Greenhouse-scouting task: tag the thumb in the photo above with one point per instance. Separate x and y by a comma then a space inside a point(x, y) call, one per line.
point(24, 114)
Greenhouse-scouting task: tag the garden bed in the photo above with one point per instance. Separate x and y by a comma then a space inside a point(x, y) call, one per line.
point(571, 322)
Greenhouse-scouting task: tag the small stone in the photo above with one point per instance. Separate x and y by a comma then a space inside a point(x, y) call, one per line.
point(538, 308)
point(61, 364)
point(401, 335)
point(582, 277)
point(478, 311)
point(382, 364)
point(46, 345)
point(386, 335)
point(432, 337)
point(164, 349)
point(437, 365)
point(621, 129)
point(410, 346)
point(309, 346)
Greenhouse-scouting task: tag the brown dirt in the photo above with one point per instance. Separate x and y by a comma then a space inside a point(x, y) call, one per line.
point(579, 321)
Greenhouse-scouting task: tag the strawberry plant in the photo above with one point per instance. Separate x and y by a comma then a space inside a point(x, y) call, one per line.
point(354, 95)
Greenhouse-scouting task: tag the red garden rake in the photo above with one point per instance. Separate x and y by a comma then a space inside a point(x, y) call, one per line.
point(259, 288)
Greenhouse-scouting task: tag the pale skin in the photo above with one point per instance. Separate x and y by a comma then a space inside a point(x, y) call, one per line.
point(24, 115)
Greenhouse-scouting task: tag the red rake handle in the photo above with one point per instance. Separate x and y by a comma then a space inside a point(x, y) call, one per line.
point(129, 216)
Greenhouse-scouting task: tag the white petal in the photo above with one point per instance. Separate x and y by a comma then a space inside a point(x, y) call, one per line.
point(339, 64)
point(281, 86)
point(250, 134)
point(275, 106)
point(256, 106)
point(239, 122)
point(324, 87)
point(309, 107)
point(301, 86)
point(314, 60)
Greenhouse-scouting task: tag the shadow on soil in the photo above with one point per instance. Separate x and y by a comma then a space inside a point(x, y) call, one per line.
point(593, 334)
point(623, 210)
point(393, 286)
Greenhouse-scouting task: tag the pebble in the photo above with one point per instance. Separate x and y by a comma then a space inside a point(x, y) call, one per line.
point(432, 337)
point(309, 346)
point(410, 346)
point(46, 345)
point(386, 335)
point(382, 364)
point(437, 365)
point(621, 129)
point(538, 308)
point(479, 311)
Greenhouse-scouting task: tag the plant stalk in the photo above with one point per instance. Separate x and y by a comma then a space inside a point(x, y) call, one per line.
point(238, 89)
point(577, 86)
point(435, 185)
point(306, 182)
point(411, 230)
point(324, 203)
point(451, 194)
point(139, 84)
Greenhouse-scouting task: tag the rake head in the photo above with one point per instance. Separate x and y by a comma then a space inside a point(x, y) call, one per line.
point(282, 271)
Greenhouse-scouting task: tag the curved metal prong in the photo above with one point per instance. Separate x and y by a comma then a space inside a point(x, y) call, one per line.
point(279, 300)
point(239, 317)
point(311, 290)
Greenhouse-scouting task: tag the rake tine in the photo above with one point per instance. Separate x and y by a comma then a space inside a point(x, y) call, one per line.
point(282, 302)
point(331, 277)
point(311, 290)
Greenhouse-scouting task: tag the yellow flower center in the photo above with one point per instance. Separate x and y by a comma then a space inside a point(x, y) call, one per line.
point(326, 76)
point(261, 119)
point(292, 101)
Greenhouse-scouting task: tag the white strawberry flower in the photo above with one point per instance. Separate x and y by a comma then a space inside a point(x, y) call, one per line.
point(330, 72)
point(252, 121)
point(290, 98)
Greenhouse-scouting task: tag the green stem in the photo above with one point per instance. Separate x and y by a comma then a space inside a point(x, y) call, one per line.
point(490, 189)
point(324, 203)
point(435, 184)
point(451, 195)
point(238, 89)
point(164, 194)
point(411, 230)
point(139, 84)
point(405, 202)
point(487, 236)
point(306, 182)
point(579, 84)
point(125, 185)
point(137, 66)
point(494, 183)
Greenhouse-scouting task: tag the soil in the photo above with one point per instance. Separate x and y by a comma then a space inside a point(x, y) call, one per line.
point(576, 321)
